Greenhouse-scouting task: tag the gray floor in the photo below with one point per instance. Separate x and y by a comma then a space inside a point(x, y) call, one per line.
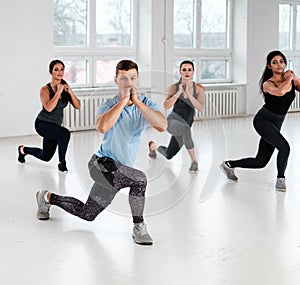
point(206, 230)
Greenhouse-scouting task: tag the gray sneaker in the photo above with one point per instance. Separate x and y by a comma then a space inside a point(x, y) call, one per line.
point(162, 150)
point(280, 185)
point(194, 167)
point(43, 206)
point(228, 171)
point(140, 234)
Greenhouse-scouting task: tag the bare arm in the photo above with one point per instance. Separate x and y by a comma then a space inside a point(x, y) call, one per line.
point(296, 80)
point(50, 104)
point(171, 97)
point(105, 121)
point(155, 118)
point(74, 100)
point(198, 102)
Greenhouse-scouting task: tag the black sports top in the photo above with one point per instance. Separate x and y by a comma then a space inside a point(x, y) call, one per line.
point(279, 104)
point(184, 107)
point(56, 115)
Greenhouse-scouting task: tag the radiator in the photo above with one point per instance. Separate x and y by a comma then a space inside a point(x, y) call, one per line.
point(218, 103)
point(295, 107)
point(83, 119)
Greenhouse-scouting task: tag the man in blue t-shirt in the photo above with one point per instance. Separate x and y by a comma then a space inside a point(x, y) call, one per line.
point(122, 119)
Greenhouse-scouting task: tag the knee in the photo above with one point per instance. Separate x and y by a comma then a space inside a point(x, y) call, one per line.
point(285, 149)
point(47, 158)
point(141, 180)
point(67, 135)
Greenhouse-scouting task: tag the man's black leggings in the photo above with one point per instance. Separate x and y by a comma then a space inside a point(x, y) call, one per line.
point(53, 136)
point(268, 125)
point(109, 178)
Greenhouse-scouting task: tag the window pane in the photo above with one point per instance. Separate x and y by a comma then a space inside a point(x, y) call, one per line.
point(296, 66)
point(213, 24)
point(183, 24)
point(285, 11)
point(298, 29)
point(213, 69)
point(105, 72)
point(70, 22)
point(76, 72)
point(114, 23)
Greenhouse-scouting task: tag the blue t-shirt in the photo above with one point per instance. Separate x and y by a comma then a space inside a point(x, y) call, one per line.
point(122, 141)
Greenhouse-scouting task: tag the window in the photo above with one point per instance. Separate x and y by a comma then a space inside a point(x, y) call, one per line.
point(201, 34)
point(289, 32)
point(91, 36)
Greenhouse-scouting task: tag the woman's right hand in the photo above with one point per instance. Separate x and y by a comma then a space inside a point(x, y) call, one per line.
point(60, 88)
point(289, 75)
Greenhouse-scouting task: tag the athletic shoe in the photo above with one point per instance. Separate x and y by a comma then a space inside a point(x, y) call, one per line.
point(280, 185)
point(62, 166)
point(21, 157)
point(140, 234)
point(228, 171)
point(151, 153)
point(43, 206)
point(194, 167)
point(162, 150)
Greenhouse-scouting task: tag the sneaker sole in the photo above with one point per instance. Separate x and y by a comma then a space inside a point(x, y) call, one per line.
point(224, 171)
point(142, 243)
point(280, 190)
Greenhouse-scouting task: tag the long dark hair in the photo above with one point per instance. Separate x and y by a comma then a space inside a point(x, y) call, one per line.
point(65, 96)
point(268, 73)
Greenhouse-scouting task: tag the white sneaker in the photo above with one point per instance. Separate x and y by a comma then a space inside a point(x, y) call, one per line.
point(140, 234)
point(280, 185)
point(43, 206)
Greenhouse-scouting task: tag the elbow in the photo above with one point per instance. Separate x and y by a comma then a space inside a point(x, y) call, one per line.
point(166, 106)
point(101, 129)
point(164, 126)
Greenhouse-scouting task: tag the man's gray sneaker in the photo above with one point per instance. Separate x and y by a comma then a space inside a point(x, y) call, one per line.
point(194, 167)
point(228, 171)
point(140, 234)
point(280, 185)
point(162, 150)
point(43, 206)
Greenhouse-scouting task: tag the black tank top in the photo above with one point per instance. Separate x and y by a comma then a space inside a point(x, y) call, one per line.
point(280, 104)
point(56, 115)
point(184, 107)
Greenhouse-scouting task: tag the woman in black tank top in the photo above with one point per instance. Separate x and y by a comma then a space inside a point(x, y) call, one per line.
point(184, 96)
point(278, 88)
point(54, 97)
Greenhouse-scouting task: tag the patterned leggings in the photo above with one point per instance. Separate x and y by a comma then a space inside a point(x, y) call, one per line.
point(109, 177)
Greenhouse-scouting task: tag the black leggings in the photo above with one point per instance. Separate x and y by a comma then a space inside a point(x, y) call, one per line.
point(181, 135)
point(268, 126)
point(53, 136)
point(109, 178)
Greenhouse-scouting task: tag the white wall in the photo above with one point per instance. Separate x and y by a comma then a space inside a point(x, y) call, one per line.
point(26, 29)
point(262, 37)
point(25, 51)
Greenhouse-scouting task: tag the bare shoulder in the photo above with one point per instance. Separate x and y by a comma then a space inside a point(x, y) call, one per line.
point(172, 89)
point(44, 91)
point(200, 87)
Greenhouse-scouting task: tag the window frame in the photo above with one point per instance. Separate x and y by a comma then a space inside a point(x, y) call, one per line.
point(91, 53)
point(196, 52)
point(292, 53)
